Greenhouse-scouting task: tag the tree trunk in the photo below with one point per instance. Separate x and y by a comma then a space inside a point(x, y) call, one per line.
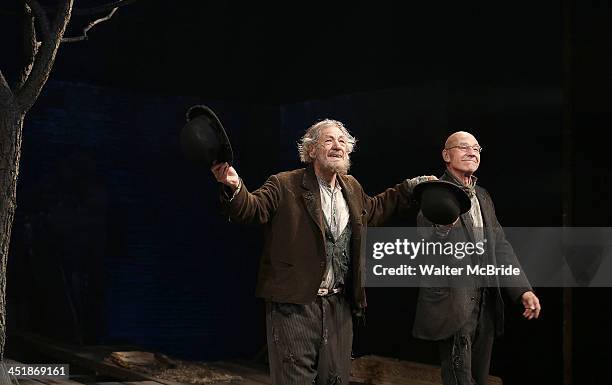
point(11, 126)
point(15, 103)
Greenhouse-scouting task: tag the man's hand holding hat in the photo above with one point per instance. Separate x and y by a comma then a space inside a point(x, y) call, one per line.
point(226, 174)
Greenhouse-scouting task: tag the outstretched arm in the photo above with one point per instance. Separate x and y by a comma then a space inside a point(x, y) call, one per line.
point(382, 207)
point(241, 205)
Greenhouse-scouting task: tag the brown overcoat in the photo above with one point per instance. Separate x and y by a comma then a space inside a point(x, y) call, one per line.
point(288, 205)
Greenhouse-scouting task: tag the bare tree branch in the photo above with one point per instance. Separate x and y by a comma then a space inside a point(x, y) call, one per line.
point(6, 95)
point(43, 61)
point(88, 27)
point(41, 16)
point(40, 13)
point(81, 11)
point(101, 8)
point(30, 47)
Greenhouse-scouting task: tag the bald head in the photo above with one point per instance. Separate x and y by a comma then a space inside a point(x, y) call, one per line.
point(456, 138)
point(461, 154)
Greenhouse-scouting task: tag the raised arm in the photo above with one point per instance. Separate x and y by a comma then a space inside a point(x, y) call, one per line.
point(380, 208)
point(242, 206)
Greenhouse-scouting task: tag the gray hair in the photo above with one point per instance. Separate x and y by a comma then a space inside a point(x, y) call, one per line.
point(311, 138)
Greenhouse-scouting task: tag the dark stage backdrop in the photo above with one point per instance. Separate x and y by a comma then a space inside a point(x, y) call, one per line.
point(119, 240)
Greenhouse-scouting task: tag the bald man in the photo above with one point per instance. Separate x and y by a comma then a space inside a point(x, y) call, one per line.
point(465, 320)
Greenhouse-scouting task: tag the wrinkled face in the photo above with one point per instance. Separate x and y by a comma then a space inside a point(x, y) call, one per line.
point(462, 154)
point(330, 152)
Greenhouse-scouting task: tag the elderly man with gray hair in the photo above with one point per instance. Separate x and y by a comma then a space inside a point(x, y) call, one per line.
point(311, 272)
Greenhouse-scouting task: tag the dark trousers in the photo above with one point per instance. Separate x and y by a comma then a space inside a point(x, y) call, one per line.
point(466, 356)
point(310, 344)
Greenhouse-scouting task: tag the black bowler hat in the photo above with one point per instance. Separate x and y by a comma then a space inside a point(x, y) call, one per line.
point(441, 201)
point(203, 138)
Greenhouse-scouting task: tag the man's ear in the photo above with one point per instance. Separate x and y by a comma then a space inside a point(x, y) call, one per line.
point(312, 152)
point(446, 156)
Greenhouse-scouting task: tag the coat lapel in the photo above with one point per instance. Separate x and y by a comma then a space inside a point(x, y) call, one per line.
point(487, 223)
point(350, 198)
point(356, 212)
point(312, 197)
point(484, 208)
point(466, 219)
point(468, 224)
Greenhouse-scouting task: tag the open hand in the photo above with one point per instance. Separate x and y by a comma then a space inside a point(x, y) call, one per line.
point(531, 304)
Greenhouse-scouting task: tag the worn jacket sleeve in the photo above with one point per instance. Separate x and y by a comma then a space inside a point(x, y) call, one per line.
point(504, 255)
point(383, 206)
point(256, 207)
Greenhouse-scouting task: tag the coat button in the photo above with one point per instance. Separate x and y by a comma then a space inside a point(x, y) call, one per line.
point(473, 299)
